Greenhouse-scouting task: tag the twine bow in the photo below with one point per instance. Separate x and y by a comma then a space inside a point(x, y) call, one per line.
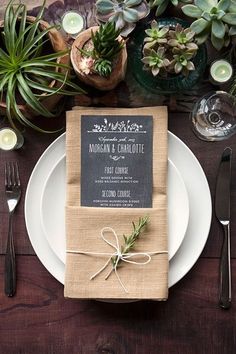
point(118, 256)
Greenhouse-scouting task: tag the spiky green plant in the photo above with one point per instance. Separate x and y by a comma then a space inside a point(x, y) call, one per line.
point(161, 5)
point(25, 71)
point(215, 19)
point(103, 67)
point(106, 47)
point(105, 41)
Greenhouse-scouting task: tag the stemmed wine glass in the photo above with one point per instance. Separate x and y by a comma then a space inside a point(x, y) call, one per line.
point(214, 116)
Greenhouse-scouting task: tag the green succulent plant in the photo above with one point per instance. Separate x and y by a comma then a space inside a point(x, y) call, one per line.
point(103, 67)
point(182, 38)
point(155, 60)
point(125, 13)
point(174, 55)
point(106, 46)
point(215, 19)
point(182, 62)
point(161, 5)
point(105, 42)
point(26, 73)
point(155, 35)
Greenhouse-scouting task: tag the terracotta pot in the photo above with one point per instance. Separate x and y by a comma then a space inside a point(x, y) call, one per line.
point(95, 80)
point(58, 44)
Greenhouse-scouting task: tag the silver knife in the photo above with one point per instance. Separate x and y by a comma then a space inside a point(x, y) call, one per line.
point(222, 210)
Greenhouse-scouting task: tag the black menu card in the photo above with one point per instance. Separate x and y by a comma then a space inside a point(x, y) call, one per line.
point(116, 161)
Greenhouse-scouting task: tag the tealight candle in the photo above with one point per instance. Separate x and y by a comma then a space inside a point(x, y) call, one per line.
point(221, 71)
point(72, 23)
point(10, 139)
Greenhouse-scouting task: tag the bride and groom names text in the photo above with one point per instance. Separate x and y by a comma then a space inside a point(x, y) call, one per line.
point(116, 145)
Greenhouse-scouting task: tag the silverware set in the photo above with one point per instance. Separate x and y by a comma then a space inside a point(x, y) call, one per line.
point(13, 194)
point(222, 211)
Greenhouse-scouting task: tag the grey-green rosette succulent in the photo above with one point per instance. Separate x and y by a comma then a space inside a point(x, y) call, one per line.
point(125, 13)
point(155, 60)
point(155, 35)
point(182, 38)
point(182, 61)
point(215, 19)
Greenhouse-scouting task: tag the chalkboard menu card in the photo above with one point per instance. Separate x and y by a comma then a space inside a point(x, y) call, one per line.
point(116, 161)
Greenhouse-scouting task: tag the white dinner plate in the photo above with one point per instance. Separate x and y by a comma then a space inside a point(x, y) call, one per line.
point(199, 209)
point(52, 210)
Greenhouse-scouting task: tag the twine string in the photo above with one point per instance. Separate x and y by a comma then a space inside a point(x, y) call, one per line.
point(118, 255)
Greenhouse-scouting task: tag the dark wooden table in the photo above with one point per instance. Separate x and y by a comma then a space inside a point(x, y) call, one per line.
point(40, 320)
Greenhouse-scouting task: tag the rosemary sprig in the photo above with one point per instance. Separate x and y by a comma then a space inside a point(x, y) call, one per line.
point(130, 240)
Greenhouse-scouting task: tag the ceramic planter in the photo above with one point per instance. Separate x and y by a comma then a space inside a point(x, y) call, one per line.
point(95, 80)
point(58, 44)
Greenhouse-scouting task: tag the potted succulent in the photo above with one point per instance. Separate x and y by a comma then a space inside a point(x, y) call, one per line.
point(125, 13)
point(33, 67)
point(214, 19)
point(166, 57)
point(99, 56)
point(169, 51)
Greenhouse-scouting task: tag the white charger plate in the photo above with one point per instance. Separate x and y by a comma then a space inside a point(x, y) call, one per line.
point(200, 209)
point(52, 208)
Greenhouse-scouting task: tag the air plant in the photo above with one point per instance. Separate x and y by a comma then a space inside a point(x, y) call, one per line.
point(125, 13)
point(26, 74)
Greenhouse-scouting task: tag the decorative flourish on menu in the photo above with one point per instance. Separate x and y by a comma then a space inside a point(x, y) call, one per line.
point(116, 161)
point(116, 158)
point(123, 126)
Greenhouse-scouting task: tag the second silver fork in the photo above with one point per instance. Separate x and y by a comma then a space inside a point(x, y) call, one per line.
point(13, 194)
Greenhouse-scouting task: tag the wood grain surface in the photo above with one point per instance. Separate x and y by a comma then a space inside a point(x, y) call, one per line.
point(39, 320)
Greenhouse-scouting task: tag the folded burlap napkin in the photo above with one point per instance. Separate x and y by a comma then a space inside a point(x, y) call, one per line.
point(87, 252)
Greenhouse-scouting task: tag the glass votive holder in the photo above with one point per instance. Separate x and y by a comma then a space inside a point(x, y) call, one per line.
point(221, 72)
point(10, 139)
point(73, 23)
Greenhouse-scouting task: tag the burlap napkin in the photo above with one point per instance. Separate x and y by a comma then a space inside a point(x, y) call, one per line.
point(84, 224)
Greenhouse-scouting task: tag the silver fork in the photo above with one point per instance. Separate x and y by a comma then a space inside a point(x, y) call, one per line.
point(13, 194)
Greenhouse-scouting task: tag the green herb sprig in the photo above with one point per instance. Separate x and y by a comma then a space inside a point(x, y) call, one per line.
point(129, 241)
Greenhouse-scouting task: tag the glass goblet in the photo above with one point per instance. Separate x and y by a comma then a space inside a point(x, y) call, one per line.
point(214, 116)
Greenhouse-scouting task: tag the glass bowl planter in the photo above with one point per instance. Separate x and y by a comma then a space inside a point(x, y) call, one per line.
point(172, 83)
